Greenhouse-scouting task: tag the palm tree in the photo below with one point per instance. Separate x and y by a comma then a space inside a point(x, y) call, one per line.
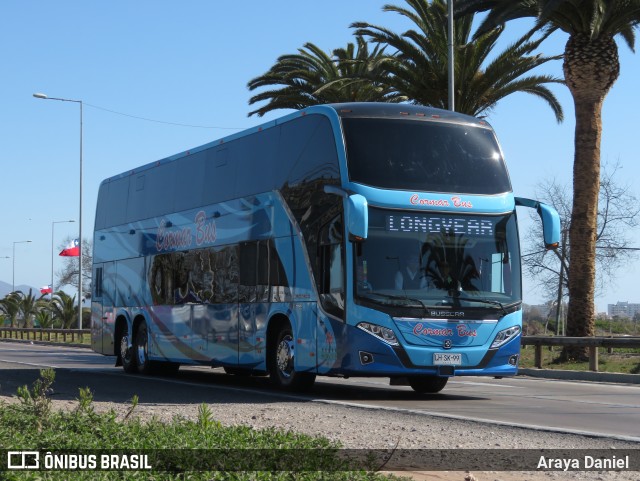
point(313, 76)
point(64, 309)
point(44, 318)
point(418, 70)
point(591, 67)
point(10, 305)
point(29, 305)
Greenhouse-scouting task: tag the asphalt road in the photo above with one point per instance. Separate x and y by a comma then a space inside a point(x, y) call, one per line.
point(603, 409)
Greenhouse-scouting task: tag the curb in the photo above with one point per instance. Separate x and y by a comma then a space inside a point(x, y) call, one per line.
point(581, 375)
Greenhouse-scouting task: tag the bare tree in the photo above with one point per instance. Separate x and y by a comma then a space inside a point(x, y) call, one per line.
point(68, 274)
point(617, 214)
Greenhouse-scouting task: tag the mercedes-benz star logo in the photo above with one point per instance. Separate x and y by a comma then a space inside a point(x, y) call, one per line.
point(447, 344)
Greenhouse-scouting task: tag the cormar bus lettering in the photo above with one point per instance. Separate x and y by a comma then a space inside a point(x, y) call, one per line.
point(416, 200)
point(205, 232)
point(420, 330)
point(458, 202)
point(464, 331)
point(168, 239)
point(455, 200)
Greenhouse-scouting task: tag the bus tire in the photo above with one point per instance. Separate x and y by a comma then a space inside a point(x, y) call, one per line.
point(141, 348)
point(127, 355)
point(427, 384)
point(281, 363)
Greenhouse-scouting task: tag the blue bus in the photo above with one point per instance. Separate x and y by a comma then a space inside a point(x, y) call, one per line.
point(361, 239)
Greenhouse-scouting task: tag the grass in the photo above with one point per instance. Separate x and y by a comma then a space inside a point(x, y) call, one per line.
point(626, 361)
point(32, 424)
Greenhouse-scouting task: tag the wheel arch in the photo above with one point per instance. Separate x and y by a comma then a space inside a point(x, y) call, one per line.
point(123, 322)
point(273, 328)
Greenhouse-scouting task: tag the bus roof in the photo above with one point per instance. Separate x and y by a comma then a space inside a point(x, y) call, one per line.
point(343, 110)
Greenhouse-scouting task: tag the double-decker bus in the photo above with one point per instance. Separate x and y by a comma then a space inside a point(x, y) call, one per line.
point(358, 239)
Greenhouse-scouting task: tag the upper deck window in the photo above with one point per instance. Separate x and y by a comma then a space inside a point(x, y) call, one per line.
point(424, 156)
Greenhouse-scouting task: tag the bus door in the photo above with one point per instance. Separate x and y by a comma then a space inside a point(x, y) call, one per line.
point(254, 296)
point(102, 308)
point(214, 313)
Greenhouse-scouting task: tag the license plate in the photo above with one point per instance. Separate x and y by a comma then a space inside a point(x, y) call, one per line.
point(447, 358)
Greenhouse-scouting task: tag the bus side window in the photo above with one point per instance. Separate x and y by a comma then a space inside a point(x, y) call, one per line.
point(97, 283)
point(248, 271)
point(332, 267)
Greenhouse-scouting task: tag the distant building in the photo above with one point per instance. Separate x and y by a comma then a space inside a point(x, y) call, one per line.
point(623, 309)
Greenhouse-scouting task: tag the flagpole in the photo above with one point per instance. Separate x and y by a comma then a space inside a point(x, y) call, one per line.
point(53, 250)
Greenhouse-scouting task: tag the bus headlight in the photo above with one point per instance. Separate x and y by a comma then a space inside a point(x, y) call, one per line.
point(383, 333)
point(505, 336)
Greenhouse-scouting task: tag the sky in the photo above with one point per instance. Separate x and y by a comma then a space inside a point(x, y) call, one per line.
point(189, 63)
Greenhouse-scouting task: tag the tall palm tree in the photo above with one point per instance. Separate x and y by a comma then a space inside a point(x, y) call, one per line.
point(313, 76)
point(10, 305)
point(418, 70)
point(64, 309)
point(30, 305)
point(591, 67)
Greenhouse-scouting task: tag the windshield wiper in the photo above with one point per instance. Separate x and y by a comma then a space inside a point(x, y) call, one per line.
point(400, 298)
point(482, 301)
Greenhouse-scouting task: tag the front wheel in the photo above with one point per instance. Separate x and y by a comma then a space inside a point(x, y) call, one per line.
point(281, 365)
point(428, 384)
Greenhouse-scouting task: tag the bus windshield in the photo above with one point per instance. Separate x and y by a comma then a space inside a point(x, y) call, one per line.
point(424, 156)
point(424, 260)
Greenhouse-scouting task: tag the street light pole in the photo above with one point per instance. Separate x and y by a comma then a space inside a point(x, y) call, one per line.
point(44, 97)
point(13, 282)
point(53, 249)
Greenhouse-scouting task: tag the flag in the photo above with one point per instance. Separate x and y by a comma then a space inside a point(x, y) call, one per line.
point(72, 249)
point(46, 290)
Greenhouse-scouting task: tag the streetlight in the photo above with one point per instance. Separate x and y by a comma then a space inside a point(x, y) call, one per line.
point(44, 97)
point(13, 285)
point(52, 248)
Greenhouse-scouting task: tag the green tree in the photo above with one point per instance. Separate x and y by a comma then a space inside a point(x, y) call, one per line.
point(29, 305)
point(10, 305)
point(44, 318)
point(418, 70)
point(591, 67)
point(313, 77)
point(64, 309)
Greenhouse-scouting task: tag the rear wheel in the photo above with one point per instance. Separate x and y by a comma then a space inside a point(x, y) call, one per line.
point(126, 351)
point(428, 384)
point(282, 365)
point(143, 364)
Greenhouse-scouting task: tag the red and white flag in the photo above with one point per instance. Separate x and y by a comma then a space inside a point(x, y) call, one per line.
point(46, 290)
point(72, 249)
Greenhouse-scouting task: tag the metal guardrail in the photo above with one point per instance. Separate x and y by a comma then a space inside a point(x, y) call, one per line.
point(40, 334)
point(593, 343)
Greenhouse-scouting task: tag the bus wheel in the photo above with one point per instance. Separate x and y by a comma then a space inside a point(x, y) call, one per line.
point(428, 384)
point(282, 371)
point(126, 352)
point(141, 346)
